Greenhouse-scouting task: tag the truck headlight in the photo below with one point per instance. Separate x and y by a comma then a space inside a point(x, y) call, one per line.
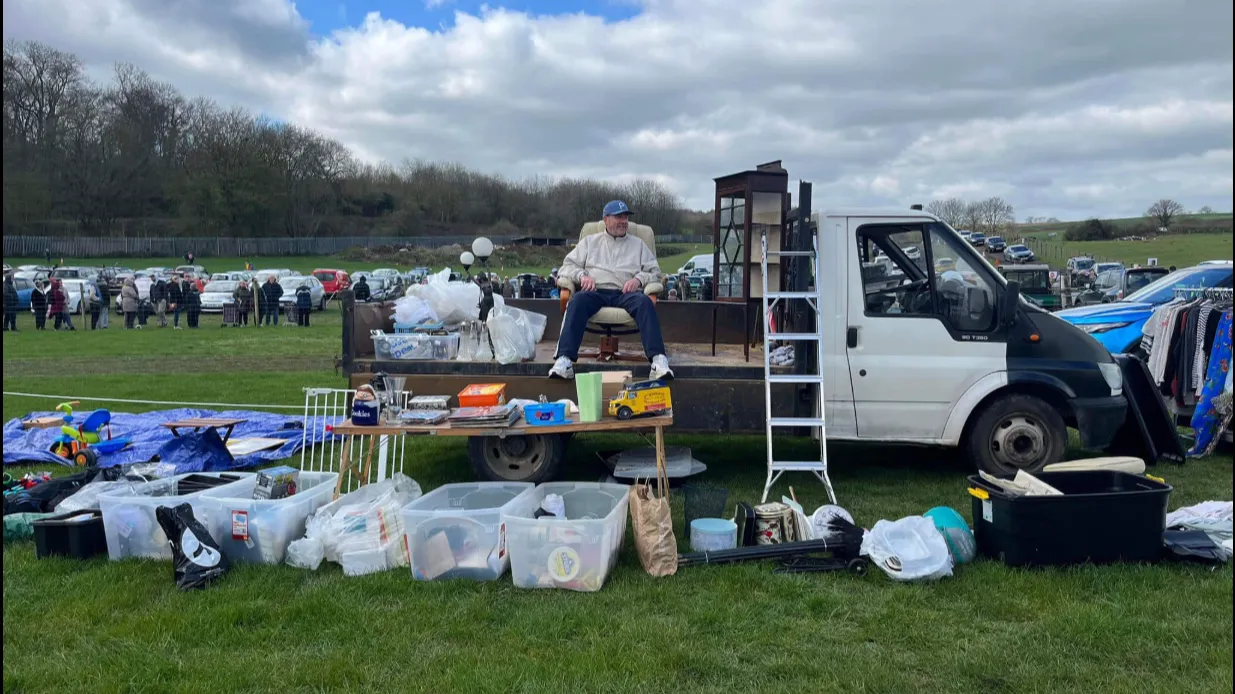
point(1114, 377)
point(1092, 328)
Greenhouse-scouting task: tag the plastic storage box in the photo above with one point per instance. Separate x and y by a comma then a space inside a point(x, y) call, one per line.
point(259, 530)
point(411, 346)
point(129, 522)
point(1103, 516)
point(78, 535)
point(456, 530)
point(575, 553)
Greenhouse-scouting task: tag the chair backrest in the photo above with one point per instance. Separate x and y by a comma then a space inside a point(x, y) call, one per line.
point(643, 231)
point(96, 421)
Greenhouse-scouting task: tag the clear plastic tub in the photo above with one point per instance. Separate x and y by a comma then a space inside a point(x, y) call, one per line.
point(259, 530)
point(416, 346)
point(129, 521)
point(574, 553)
point(456, 530)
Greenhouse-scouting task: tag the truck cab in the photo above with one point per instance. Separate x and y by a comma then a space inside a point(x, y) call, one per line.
point(950, 353)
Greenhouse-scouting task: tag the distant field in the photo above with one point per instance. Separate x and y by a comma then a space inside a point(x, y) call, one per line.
point(1134, 225)
point(306, 264)
point(1180, 250)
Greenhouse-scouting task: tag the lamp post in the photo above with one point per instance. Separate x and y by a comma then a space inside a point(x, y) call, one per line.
point(482, 249)
point(466, 259)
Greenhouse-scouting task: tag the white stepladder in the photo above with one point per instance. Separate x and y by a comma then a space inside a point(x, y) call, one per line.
point(770, 298)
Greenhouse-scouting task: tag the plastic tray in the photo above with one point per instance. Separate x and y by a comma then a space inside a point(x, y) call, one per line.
point(1103, 516)
point(456, 531)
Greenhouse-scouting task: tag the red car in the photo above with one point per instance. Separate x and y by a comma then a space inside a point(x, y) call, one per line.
point(333, 281)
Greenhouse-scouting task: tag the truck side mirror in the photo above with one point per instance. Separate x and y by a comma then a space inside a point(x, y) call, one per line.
point(1011, 301)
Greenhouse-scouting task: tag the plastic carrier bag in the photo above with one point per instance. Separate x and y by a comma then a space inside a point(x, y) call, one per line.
point(910, 549)
point(452, 302)
point(196, 557)
point(515, 333)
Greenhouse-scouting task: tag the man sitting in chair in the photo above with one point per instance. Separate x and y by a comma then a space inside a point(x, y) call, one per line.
point(612, 270)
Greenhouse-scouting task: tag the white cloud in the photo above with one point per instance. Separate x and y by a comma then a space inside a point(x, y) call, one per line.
point(1066, 108)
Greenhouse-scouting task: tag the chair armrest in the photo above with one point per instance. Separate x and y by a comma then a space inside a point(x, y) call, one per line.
point(653, 288)
point(566, 283)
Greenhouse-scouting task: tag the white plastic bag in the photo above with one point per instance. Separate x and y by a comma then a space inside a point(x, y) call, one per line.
point(413, 310)
point(361, 530)
point(515, 333)
point(88, 496)
point(452, 302)
point(910, 549)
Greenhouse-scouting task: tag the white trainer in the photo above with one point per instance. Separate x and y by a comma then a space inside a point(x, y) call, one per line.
point(660, 367)
point(562, 368)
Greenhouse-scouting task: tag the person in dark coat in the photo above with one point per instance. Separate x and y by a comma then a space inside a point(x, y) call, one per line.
point(10, 304)
point(271, 293)
point(158, 299)
point(104, 290)
point(192, 303)
point(361, 290)
point(304, 304)
point(38, 305)
point(243, 296)
point(175, 300)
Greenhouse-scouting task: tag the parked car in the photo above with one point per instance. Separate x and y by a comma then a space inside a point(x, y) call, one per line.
point(1018, 254)
point(232, 275)
point(1037, 285)
point(25, 287)
point(1117, 325)
point(996, 244)
point(978, 239)
point(67, 272)
point(217, 294)
point(333, 281)
point(292, 283)
point(1113, 285)
point(1080, 270)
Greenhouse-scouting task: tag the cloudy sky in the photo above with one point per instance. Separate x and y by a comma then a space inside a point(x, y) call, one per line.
point(1067, 108)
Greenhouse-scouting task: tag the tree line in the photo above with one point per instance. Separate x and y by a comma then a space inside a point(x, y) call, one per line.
point(992, 216)
point(84, 158)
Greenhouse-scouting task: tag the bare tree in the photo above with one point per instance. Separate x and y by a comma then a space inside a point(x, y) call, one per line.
point(994, 215)
point(951, 211)
point(1163, 212)
point(1205, 210)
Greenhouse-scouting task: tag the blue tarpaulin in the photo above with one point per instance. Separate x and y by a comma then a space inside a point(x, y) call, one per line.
point(147, 435)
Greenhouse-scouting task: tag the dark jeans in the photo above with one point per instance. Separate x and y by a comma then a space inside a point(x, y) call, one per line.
point(95, 312)
point(10, 320)
point(194, 314)
point(302, 317)
point(243, 316)
point(584, 305)
point(129, 318)
point(40, 320)
point(176, 316)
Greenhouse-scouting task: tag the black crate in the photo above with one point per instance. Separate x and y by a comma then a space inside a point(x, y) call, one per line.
point(63, 536)
point(1103, 516)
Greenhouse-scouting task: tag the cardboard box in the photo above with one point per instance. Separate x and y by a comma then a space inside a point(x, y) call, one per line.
point(483, 395)
point(277, 483)
point(611, 383)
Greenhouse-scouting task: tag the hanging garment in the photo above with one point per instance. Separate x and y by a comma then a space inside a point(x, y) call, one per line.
point(1207, 421)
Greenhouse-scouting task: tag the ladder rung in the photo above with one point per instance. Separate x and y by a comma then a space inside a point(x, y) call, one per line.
point(794, 336)
point(792, 295)
point(795, 378)
point(797, 421)
point(795, 254)
point(800, 466)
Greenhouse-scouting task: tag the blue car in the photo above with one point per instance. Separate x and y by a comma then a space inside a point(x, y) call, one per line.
point(1117, 325)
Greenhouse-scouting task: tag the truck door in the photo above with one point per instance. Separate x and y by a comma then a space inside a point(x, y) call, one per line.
point(917, 336)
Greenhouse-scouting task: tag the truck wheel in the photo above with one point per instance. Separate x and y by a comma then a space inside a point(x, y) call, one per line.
point(625, 412)
point(1017, 432)
point(534, 458)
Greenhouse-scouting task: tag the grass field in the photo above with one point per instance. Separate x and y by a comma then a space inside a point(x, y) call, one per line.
point(105, 626)
point(1180, 250)
point(1135, 224)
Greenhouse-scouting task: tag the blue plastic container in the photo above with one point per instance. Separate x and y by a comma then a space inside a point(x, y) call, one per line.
point(713, 534)
point(545, 413)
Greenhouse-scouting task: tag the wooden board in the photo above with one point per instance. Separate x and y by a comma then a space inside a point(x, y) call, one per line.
point(199, 422)
point(253, 444)
point(43, 422)
point(574, 426)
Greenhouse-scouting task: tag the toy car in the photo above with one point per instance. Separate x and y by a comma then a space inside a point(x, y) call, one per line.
point(641, 398)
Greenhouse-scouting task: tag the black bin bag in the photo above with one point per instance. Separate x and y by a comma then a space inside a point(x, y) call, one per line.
point(196, 557)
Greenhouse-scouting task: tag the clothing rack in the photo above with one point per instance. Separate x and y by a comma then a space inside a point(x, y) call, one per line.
point(1183, 413)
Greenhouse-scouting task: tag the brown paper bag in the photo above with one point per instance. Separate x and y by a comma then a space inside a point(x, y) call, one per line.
point(652, 522)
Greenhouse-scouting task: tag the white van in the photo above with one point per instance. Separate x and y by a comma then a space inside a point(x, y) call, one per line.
point(697, 262)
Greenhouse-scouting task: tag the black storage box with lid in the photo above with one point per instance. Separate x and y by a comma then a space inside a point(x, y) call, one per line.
point(78, 535)
point(1103, 516)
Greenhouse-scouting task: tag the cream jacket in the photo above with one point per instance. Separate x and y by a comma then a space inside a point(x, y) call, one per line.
point(611, 261)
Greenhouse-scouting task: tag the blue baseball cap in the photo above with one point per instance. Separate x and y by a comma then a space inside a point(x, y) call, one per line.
point(615, 207)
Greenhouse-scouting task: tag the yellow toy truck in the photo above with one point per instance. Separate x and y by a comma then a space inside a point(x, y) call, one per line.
point(641, 398)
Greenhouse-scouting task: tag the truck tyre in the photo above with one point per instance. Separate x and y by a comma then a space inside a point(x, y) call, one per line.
point(1017, 432)
point(533, 458)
